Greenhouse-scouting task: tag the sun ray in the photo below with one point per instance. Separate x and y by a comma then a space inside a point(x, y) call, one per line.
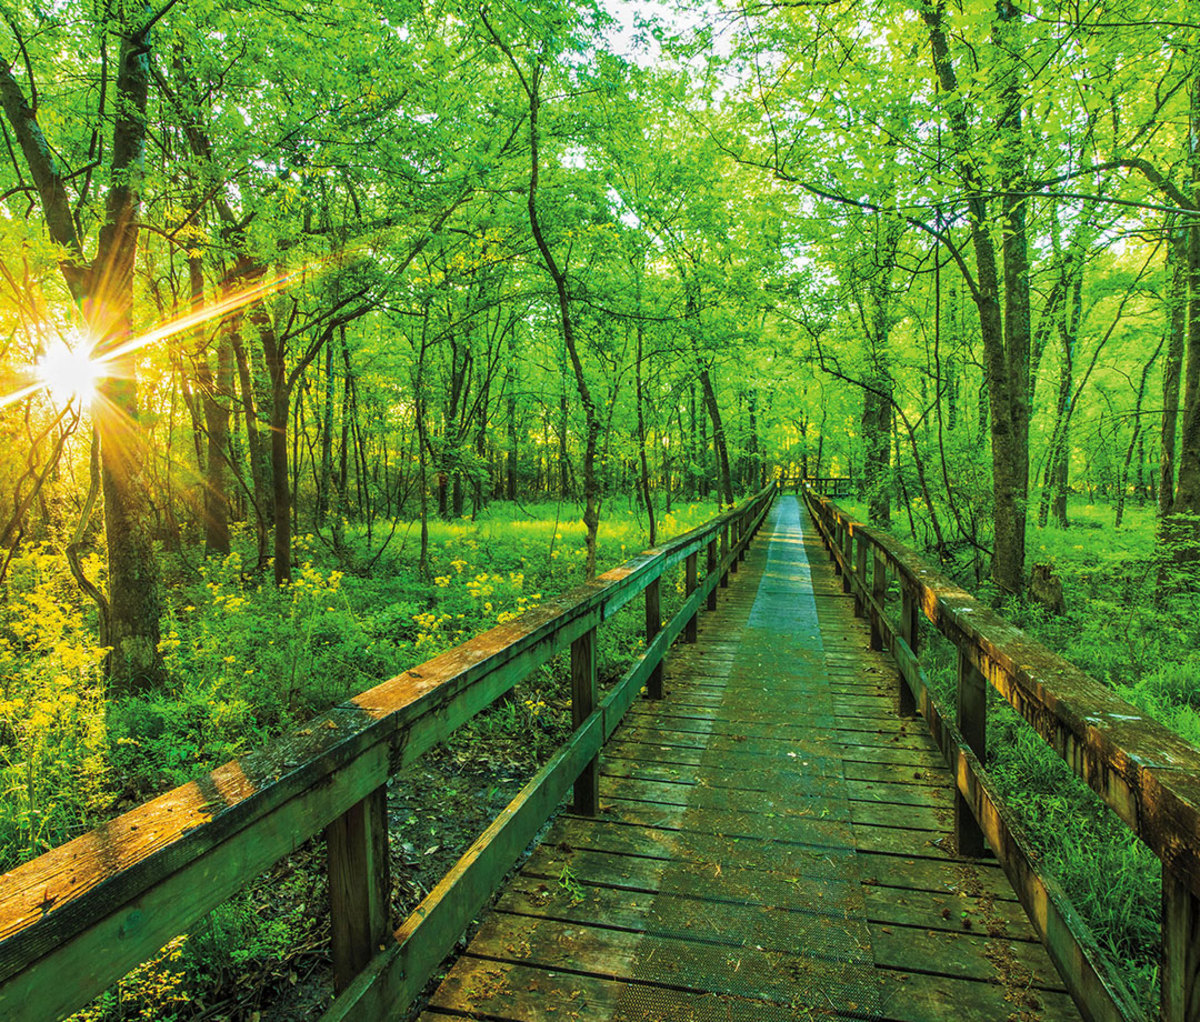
point(190, 320)
point(21, 395)
point(71, 370)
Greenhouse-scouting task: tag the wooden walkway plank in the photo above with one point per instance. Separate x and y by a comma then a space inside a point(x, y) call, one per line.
point(772, 843)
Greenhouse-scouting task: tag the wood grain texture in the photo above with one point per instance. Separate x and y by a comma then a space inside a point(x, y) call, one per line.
point(653, 627)
point(583, 702)
point(359, 885)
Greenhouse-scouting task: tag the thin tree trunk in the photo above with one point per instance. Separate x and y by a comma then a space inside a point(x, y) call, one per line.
point(591, 495)
point(258, 467)
point(1184, 532)
point(510, 460)
point(325, 474)
point(1135, 438)
point(641, 428)
point(721, 450)
point(1177, 310)
point(213, 396)
point(1006, 364)
point(1059, 447)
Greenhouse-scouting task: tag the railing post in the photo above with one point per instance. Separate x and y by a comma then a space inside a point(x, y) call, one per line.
point(731, 551)
point(359, 885)
point(689, 631)
point(848, 555)
point(654, 684)
point(725, 554)
point(745, 535)
point(835, 540)
point(1180, 975)
point(875, 612)
point(972, 722)
point(864, 546)
point(910, 633)
point(583, 702)
point(710, 569)
point(818, 513)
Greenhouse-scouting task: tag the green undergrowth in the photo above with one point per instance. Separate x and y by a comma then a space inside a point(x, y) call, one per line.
point(247, 660)
point(1132, 622)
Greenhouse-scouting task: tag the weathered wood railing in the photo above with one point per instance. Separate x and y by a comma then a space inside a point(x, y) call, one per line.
point(1148, 775)
point(75, 920)
point(837, 487)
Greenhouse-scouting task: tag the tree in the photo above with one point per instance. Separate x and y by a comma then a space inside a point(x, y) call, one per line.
point(102, 289)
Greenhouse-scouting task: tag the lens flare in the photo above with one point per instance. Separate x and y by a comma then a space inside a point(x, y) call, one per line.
point(68, 372)
point(72, 367)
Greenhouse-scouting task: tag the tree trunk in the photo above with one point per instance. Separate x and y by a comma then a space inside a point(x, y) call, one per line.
point(1184, 532)
point(134, 604)
point(1187, 486)
point(259, 469)
point(1177, 310)
point(876, 432)
point(1054, 474)
point(564, 458)
point(1006, 352)
point(591, 494)
point(213, 396)
point(216, 423)
point(694, 452)
point(1135, 439)
point(104, 291)
point(641, 428)
point(325, 473)
point(510, 460)
point(482, 462)
point(754, 459)
point(280, 489)
point(721, 450)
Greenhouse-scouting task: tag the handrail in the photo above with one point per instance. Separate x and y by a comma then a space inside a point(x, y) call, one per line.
point(827, 486)
point(77, 919)
point(1148, 775)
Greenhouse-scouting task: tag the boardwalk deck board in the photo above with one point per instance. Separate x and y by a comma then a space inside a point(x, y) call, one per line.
point(773, 842)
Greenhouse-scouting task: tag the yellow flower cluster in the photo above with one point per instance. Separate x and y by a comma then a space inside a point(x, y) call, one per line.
point(483, 585)
point(431, 626)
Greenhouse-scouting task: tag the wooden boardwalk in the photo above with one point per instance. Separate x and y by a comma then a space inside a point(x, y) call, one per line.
point(773, 843)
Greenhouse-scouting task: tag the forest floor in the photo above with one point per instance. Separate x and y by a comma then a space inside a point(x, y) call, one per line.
point(248, 661)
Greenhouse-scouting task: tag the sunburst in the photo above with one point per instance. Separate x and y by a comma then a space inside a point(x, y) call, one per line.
point(68, 371)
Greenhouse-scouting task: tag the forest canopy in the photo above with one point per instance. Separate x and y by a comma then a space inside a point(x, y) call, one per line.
point(328, 264)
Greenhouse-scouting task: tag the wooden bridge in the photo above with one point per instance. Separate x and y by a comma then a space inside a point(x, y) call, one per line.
point(836, 487)
point(773, 834)
point(773, 842)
